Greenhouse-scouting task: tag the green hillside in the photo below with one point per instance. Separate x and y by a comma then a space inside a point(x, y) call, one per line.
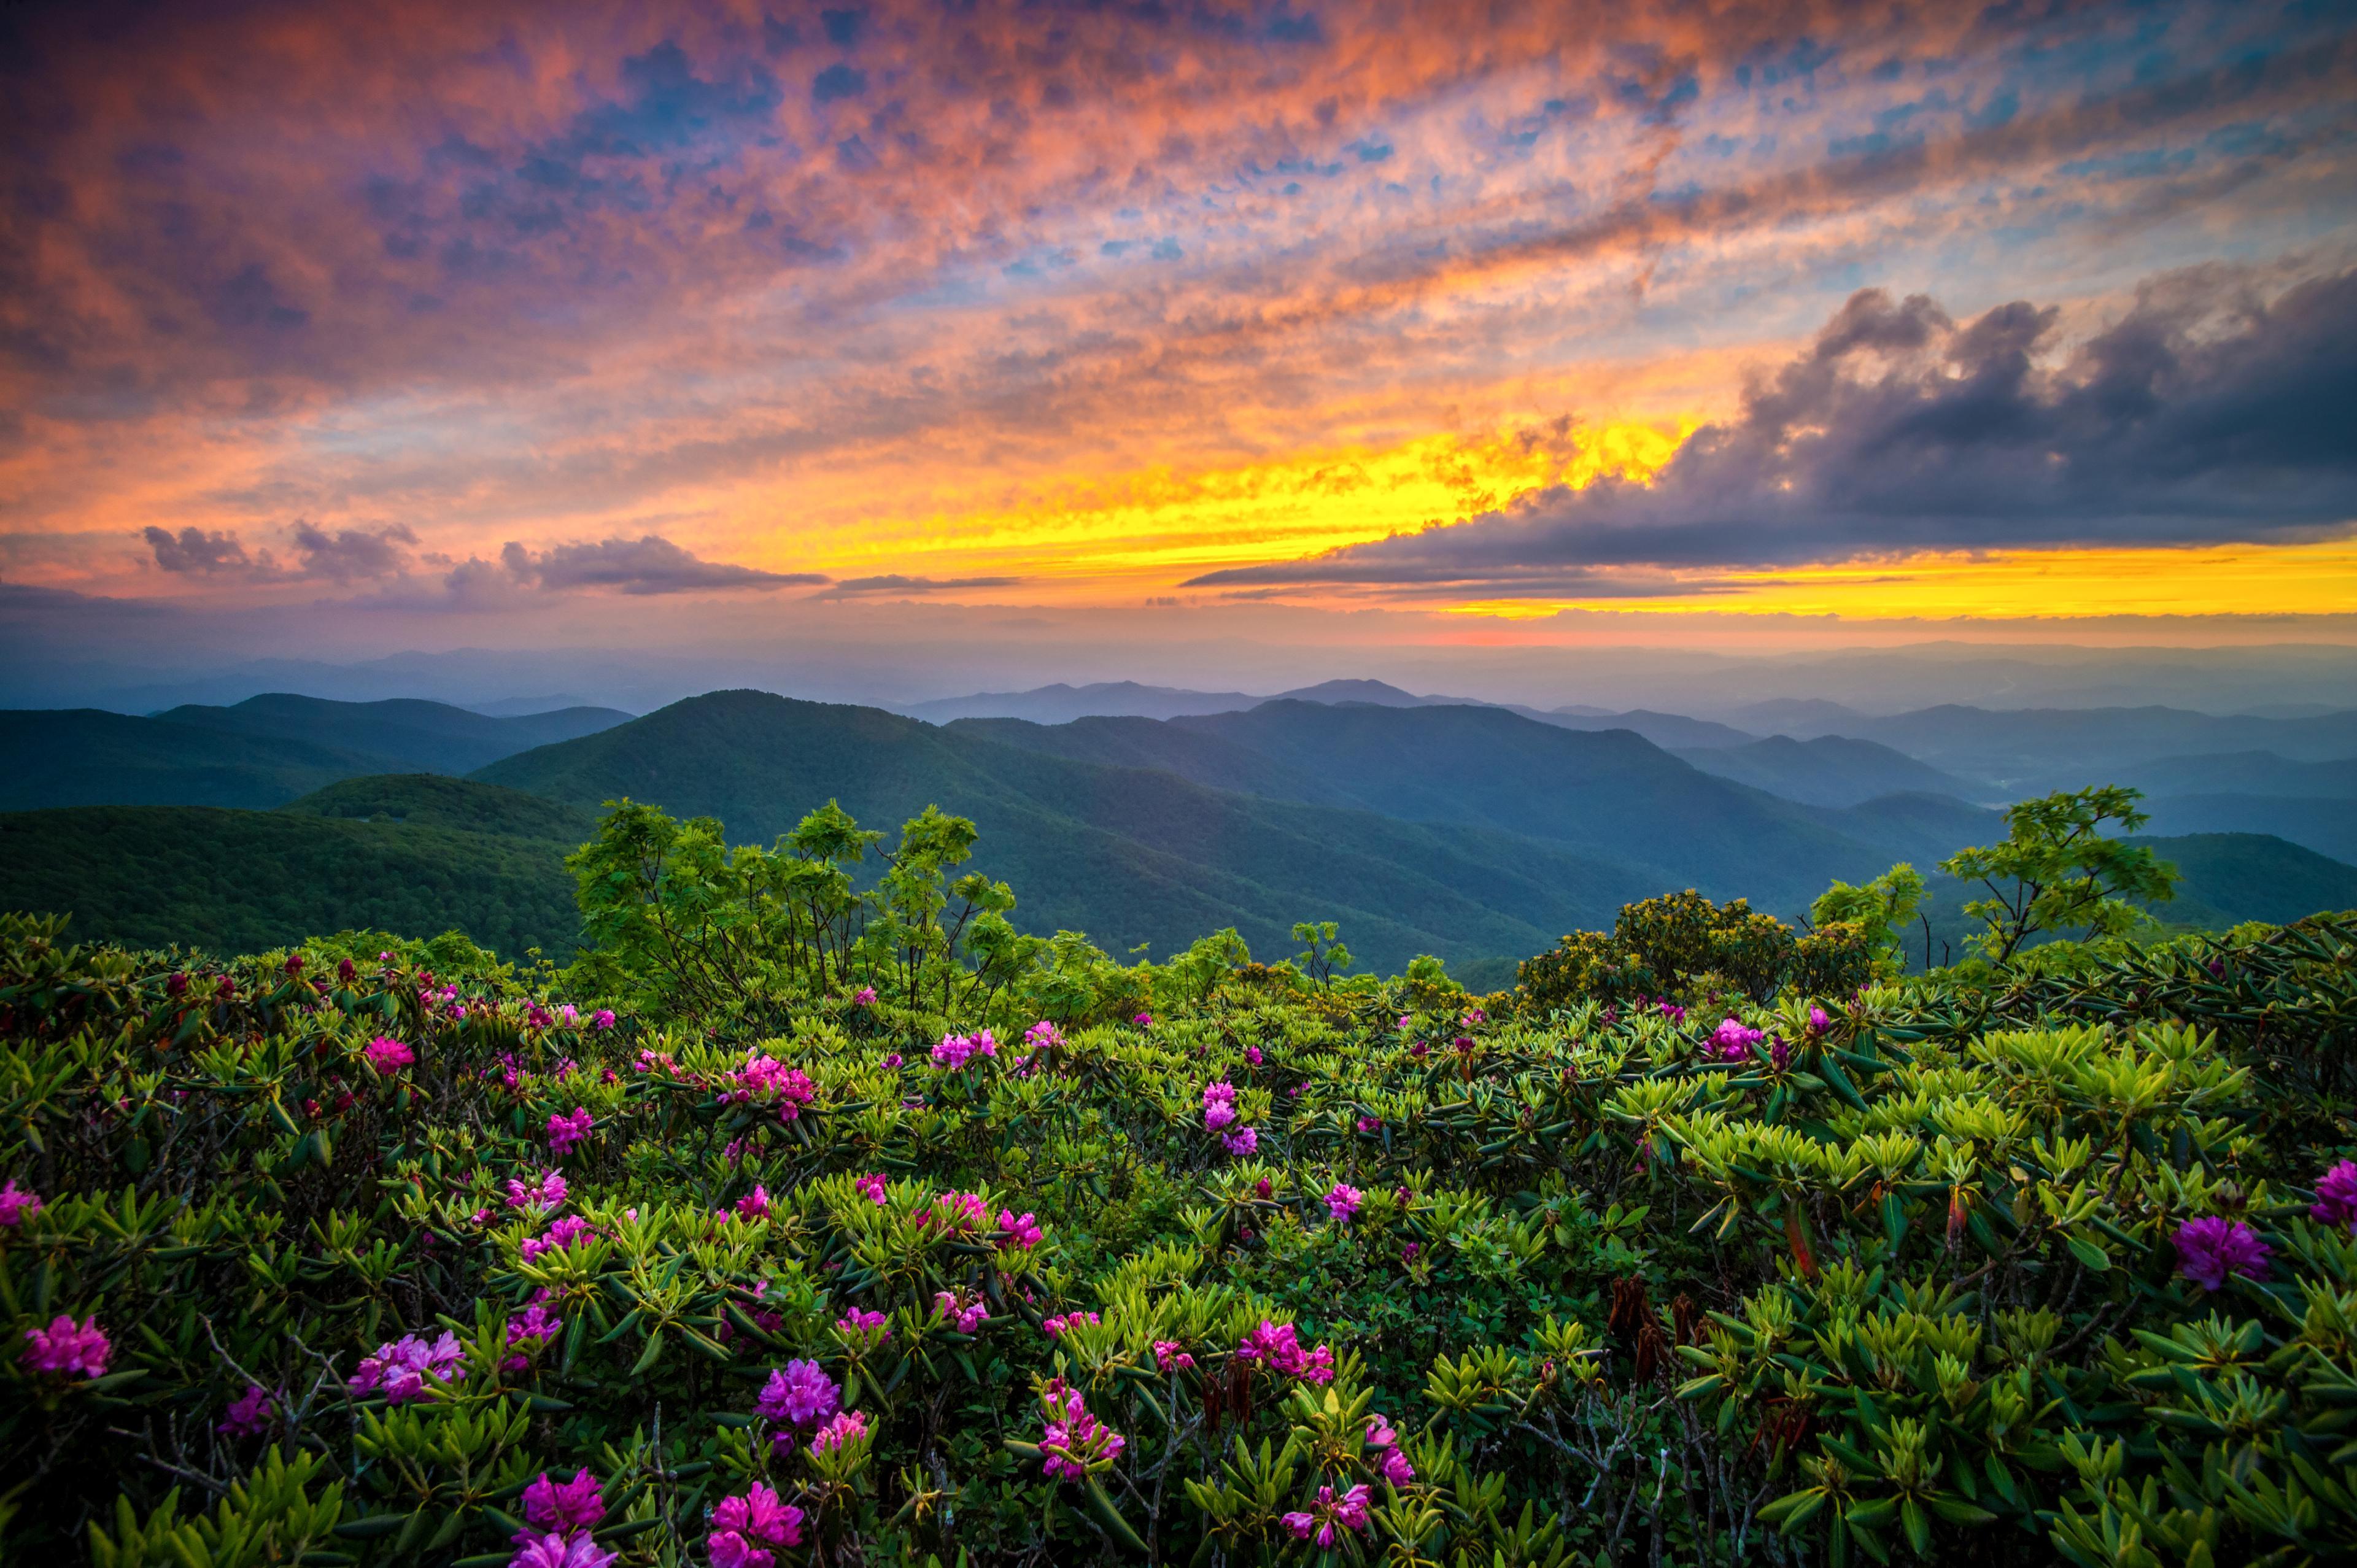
point(1129, 856)
point(1830, 770)
point(427, 799)
point(83, 756)
point(239, 881)
point(403, 735)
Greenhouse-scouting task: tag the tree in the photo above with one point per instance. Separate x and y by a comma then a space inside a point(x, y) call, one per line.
point(2056, 870)
point(1326, 955)
point(1880, 909)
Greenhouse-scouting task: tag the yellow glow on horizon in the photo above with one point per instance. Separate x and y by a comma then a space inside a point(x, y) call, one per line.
point(1161, 525)
point(2226, 579)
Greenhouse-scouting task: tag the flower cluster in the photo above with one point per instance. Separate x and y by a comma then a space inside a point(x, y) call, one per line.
point(965, 1309)
point(1074, 1441)
point(1052, 1326)
point(1169, 1358)
point(67, 1348)
point(957, 1211)
point(745, 1528)
point(1732, 1041)
point(844, 1426)
point(1343, 1202)
point(865, 1326)
point(1243, 1140)
point(871, 1187)
point(388, 1055)
point(1383, 1442)
point(766, 1080)
point(16, 1206)
point(2336, 1198)
point(401, 1367)
point(1277, 1347)
point(1043, 1035)
point(1218, 1105)
point(248, 1414)
point(563, 1132)
point(1349, 1510)
point(1020, 1229)
point(955, 1050)
point(529, 1333)
point(2211, 1248)
point(544, 1194)
point(801, 1395)
point(559, 1516)
point(561, 1234)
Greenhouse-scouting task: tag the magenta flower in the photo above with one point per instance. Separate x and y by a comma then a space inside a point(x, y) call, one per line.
point(845, 1427)
point(1396, 1469)
point(563, 1132)
point(770, 1082)
point(69, 1349)
point(388, 1055)
point(955, 1050)
point(729, 1549)
point(799, 1395)
point(563, 1506)
point(1144, 1020)
point(554, 1550)
point(1732, 1042)
point(249, 1414)
point(892, 1061)
point(1052, 1326)
point(957, 1211)
point(565, 1230)
point(16, 1205)
point(2336, 1198)
point(965, 1309)
point(544, 1194)
point(569, 1015)
point(754, 1205)
point(1820, 1021)
point(1218, 1105)
point(1169, 1358)
point(528, 1334)
point(1370, 1124)
point(1243, 1140)
point(1277, 1347)
point(1251, 1055)
point(1343, 1202)
point(1349, 1511)
point(401, 1367)
point(759, 1515)
point(855, 1324)
point(871, 1187)
point(1021, 1231)
point(603, 1017)
point(2211, 1248)
point(1043, 1035)
point(1074, 1441)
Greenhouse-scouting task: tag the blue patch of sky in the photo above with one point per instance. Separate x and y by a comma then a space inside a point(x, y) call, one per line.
point(838, 82)
point(1368, 150)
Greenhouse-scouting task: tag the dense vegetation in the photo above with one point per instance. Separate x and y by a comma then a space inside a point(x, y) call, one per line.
point(819, 1215)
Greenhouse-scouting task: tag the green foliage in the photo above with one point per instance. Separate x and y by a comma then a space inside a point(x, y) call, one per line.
point(1880, 909)
point(2057, 871)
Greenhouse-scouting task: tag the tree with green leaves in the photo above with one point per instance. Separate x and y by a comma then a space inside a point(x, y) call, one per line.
point(1326, 956)
point(1880, 909)
point(2058, 870)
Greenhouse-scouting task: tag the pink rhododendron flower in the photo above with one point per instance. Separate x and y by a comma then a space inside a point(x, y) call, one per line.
point(1349, 1510)
point(1169, 1358)
point(65, 1347)
point(1251, 1055)
point(1343, 1202)
point(1243, 1140)
point(799, 1395)
point(16, 1205)
point(563, 1506)
point(603, 1017)
point(848, 1426)
point(1053, 1327)
point(399, 1367)
point(1042, 1036)
point(1144, 1020)
point(729, 1549)
point(1672, 1012)
point(1021, 1231)
point(760, 1516)
point(958, 1211)
point(1277, 1347)
point(388, 1055)
point(528, 1334)
point(871, 1187)
point(1820, 1021)
point(754, 1205)
point(554, 1550)
point(966, 1310)
point(955, 1050)
point(561, 1234)
point(768, 1081)
point(249, 1414)
point(1074, 1440)
point(544, 1194)
point(892, 1061)
point(2211, 1248)
point(2336, 1198)
point(1369, 1124)
point(856, 1323)
point(563, 1132)
point(1732, 1042)
point(864, 997)
point(1396, 1469)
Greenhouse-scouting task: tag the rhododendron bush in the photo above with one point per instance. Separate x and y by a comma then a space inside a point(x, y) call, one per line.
point(374, 1252)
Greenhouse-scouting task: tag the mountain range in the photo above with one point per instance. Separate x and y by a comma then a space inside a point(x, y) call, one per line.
point(1473, 832)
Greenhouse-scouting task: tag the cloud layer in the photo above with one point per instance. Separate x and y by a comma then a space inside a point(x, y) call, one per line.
point(2205, 415)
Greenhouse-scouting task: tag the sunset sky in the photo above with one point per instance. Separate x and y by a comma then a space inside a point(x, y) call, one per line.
point(455, 323)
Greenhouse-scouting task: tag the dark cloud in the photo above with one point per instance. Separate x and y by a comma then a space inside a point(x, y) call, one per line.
point(2205, 416)
point(195, 550)
point(353, 553)
point(894, 583)
point(649, 565)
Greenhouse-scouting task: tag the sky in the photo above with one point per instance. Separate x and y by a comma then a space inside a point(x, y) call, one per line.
point(332, 330)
